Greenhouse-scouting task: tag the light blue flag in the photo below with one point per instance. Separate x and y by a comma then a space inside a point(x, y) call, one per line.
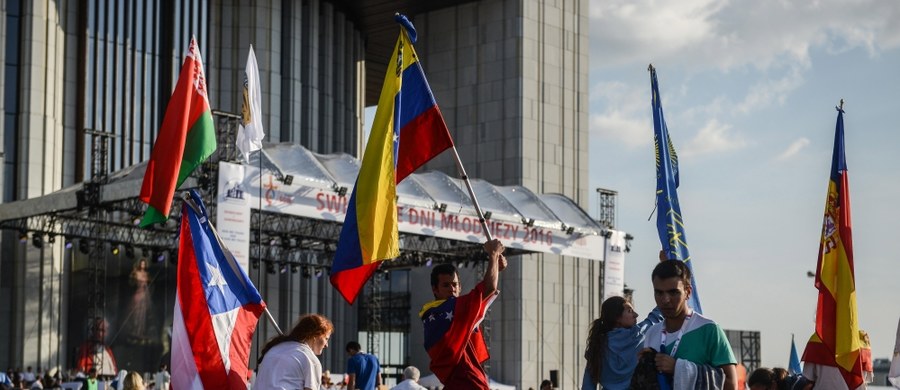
point(669, 223)
point(794, 365)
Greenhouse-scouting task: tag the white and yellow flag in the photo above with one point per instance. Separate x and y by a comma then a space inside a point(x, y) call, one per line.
point(251, 132)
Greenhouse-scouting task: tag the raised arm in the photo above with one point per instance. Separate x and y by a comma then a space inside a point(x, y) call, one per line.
point(496, 263)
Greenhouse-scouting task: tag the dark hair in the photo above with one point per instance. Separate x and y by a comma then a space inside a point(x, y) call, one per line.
point(546, 382)
point(353, 346)
point(780, 374)
point(441, 269)
point(672, 269)
point(307, 327)
point(595, 352)
point(762, 376)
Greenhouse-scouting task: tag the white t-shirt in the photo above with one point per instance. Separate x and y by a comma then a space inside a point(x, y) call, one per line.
point(826, 377)
point(289, 365)
point(408, 384)
point(162, 379)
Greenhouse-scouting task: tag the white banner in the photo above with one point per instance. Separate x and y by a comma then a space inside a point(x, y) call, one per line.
point(326, 204)
point(614, 266)
point(233, 212)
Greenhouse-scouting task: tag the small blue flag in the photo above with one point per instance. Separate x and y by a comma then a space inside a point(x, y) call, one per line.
point(794, 365)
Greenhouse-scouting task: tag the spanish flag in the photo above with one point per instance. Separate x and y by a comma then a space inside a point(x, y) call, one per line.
point(408, 130)
point(836, 341)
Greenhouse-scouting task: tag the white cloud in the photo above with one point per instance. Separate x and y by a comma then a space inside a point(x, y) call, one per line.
point(624, 116)
point(710, 34)
point(764, 93)
point(713, 138)
point(794, 148)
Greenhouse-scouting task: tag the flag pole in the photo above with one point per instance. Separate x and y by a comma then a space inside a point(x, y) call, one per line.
point(465, 178)
point(228, 255)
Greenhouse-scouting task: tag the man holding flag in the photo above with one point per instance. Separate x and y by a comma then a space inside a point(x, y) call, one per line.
point(408, 130)
point(833, 353)
point(451, 323)
point(686, 339)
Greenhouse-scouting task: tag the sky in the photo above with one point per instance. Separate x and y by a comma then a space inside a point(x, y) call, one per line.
point(749, 91)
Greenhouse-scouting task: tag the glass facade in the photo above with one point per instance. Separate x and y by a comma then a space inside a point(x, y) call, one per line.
point(11, 99)
point(133, 50)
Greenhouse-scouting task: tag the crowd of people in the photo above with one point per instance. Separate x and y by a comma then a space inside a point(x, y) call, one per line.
point(678, 348)
point(90, 380)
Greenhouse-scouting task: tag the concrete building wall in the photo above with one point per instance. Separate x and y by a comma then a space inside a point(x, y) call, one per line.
point(311, 60)
point(509, 75)
point(40, 129)
point(511, 79)
point(309, 56)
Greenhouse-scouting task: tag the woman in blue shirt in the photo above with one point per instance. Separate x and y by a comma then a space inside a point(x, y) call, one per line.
point(613, 345)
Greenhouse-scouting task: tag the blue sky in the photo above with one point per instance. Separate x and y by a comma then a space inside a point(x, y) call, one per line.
point(749, 90)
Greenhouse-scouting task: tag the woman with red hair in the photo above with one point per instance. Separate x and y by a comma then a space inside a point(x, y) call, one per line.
point(289, 361)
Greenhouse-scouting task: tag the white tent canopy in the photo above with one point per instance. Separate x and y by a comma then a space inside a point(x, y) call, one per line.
point(429, 203)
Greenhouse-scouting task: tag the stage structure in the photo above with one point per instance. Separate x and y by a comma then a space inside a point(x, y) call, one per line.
point(297, 200)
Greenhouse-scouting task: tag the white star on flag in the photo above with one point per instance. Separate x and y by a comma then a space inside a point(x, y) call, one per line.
point(215, 278)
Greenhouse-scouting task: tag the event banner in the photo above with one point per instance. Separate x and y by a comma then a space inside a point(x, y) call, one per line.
point(614, 266)
point(318, 201)
point(233, 212)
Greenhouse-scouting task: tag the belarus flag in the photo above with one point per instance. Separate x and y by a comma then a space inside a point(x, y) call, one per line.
point(186, 138)
point(216, 309)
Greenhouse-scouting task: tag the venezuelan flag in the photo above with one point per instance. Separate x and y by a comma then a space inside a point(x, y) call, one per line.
point(408, 130)
point(669, 224)
point(836, 341)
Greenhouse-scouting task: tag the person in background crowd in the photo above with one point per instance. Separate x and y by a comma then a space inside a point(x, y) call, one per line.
point(766, 378)
point(410, 380)
point(28, 376)
point(133, 381)
point(90, 383)
point(290, 361)
point(613, 344)
point(363, 368)
point(162, 377)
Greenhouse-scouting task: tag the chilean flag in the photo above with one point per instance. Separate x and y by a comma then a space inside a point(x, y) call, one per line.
point(216, 309)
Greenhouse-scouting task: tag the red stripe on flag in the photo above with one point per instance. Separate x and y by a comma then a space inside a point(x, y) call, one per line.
point(349, 282)
point(421, 139)
point(241, 337)
point(197, 321)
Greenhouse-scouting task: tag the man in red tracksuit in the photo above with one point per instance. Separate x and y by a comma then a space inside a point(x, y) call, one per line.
point(451, 322)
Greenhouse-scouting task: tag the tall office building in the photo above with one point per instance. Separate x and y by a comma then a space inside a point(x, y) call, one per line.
point(509, 75)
